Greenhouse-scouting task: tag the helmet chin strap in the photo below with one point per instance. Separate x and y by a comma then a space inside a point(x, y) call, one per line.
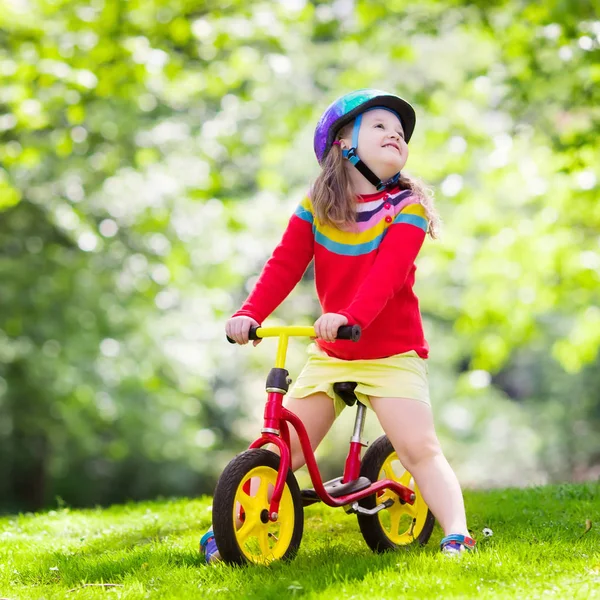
point(353, 157)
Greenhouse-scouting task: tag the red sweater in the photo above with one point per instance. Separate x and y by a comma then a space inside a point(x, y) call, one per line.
point(366, 274)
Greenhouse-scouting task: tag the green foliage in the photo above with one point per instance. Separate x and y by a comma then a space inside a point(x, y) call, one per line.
point(150, 155)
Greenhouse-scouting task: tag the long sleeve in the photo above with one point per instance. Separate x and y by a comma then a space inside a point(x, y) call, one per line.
point(285, 267)
point(394, 261)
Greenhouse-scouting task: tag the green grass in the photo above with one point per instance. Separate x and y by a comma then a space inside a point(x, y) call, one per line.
point(538, 550)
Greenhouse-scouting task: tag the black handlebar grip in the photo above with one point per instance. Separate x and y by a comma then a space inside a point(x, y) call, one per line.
point(251, 335)
point(348, 332)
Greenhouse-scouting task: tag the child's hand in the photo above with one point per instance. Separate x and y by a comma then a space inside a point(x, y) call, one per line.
point(326, 326)
point(237, 329)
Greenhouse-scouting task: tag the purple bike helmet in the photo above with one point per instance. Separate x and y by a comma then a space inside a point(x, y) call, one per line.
point(351, 106)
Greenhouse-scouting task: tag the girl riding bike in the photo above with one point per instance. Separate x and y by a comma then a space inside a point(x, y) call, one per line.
point(363, 223)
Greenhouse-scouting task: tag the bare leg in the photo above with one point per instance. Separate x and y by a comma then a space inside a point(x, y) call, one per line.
point(317, 414)
point(409, 426)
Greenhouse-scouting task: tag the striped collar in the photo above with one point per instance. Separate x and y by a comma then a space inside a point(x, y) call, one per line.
point(377, 195)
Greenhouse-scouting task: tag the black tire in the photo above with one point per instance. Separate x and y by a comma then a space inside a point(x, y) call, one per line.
point(374, 528)
point(283, 534)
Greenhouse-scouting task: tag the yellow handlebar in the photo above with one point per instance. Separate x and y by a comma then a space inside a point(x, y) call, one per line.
point(287, 330)
point(345, 332)
point(284, 332)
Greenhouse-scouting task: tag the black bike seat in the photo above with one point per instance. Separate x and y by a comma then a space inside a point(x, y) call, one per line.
point(345, 390)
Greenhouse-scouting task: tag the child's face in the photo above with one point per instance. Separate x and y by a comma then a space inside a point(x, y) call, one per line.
point(381, 143)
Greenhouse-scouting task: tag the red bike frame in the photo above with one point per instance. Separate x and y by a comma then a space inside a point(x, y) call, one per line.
point(276, 431)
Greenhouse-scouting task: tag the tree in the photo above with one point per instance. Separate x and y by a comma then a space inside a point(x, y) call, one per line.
point(140, 141)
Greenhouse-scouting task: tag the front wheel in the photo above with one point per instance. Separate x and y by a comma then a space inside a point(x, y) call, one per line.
point(243, 531)
point(401, 524)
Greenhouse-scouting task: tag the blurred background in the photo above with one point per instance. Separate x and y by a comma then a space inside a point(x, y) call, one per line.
point(151, 154)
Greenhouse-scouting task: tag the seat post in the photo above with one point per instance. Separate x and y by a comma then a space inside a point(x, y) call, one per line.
point(359, 423)
point(352, 466)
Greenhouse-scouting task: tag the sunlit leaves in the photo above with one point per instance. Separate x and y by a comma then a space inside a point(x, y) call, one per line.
point(9, 195)
point(152, 152)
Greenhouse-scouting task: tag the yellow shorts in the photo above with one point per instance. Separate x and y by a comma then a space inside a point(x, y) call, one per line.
point(399, 376)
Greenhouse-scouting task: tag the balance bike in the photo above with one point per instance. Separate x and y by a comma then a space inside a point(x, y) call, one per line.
point(258, 508)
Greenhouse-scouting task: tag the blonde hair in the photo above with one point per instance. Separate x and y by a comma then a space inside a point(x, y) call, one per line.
point(334, 199)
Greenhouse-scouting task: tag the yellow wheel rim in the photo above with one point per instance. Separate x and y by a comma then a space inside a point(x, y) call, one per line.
point(262, 542)
point(402, 523)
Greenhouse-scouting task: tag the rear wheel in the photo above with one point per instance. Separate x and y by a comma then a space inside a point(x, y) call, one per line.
point(401, 524)
point(243, 531)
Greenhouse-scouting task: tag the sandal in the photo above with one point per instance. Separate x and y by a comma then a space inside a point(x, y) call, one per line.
point(208, 547)
point(456, 543)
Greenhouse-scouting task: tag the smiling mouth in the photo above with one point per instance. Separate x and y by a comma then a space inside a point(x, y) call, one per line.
point(394, 146)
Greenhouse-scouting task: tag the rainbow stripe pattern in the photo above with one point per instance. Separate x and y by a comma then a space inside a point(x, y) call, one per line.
point(373, 219)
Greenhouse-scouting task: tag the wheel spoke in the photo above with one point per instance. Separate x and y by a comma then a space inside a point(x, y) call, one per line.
point(395, 522)
point(387, 471)
point(252, 507)
point(263, 541)
point(245, 531)
point(405, 479)
point(262, 495)
point(410, 509)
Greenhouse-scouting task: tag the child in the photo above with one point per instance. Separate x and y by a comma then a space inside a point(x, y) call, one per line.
point(364, 224)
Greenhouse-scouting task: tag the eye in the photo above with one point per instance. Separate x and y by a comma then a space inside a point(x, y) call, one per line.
point(380, 125)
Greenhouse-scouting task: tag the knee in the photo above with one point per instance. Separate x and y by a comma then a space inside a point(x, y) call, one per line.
point(415, 452)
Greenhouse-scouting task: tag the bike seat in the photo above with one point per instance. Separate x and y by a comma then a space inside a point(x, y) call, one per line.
point(345, 390)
